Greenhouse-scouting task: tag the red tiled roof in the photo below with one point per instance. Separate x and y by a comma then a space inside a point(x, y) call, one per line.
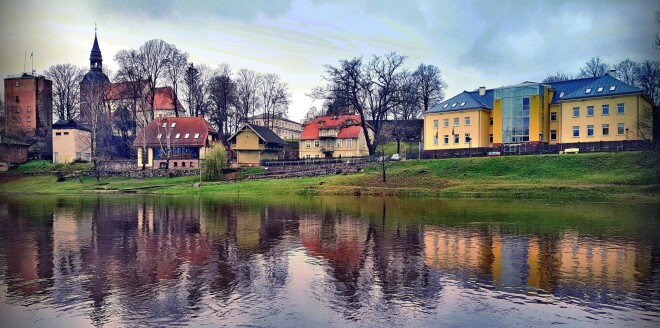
point(311, 131)
point(164, 99)
point(182, 126)
point(125, 90)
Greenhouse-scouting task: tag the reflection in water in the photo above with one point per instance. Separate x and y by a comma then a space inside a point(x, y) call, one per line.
point(326, 261)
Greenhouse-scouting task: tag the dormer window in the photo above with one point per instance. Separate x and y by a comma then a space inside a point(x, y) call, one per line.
point(159, 135)
point(561, 94)
point(177, 136)
point(445, 106)
point(588, 90)
point(612, 88)
point(463, 104)
point(600, 89)
point(173, 124)
point(165, 124)
point(453, 105)
point(321, 123)
point(187, 135)
point(196, 135)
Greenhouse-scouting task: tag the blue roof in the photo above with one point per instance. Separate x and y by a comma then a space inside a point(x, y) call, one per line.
point(605, 85)
point(463, 101)
point(564, 90)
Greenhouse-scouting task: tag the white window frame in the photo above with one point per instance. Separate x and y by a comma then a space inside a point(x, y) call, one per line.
point(467, 121)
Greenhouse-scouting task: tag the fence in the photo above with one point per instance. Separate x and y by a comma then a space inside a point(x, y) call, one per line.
point(528, 149)
point(318, 161)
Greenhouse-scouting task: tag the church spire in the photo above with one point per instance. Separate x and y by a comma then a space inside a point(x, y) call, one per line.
point(95, 58)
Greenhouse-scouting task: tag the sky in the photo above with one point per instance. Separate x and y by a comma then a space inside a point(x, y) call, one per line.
point(473, 43)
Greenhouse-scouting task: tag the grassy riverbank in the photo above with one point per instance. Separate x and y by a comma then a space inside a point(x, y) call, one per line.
point(626, 177)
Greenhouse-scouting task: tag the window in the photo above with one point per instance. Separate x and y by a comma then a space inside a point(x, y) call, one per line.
point(467, 121)
point(467, 138)
point(553, 134)
point(349, 154)
point(445, 122)
point(590, 110)
point(317, 156)
point(17, 99)
point(606, 129)
point(349, 142)
point(462, 104)
point(620, 128)
point(612, 88)
point(553, 116)
point(456, 138)
point(28, 119)
point(29, 110)
point(187, 135)
point(176, 164)
point(317, 143)
point(78, 155)
point(453, 105)
point(164, 125)
point(620, 108)
point(490, 121)
point(435, 139)
point(308, 144)
point(66, 133)
point(588, 90)
point(17, 84)
point(435, 124)
point(323, 133)
point(525, 102)
point(307, 156)
point(590, 130)
point(177, 136)
point(183, 164)
point(600, 89)
point(445, 139)
point(18, 110)
point(606, 109)
point(196, 135)
point(576, 131)
point(339, 142)
point(87, 157)
point(159, 135)
point(58, 133)
point(457, 121)
point(561, 94)
point(173, 125)
point(445, 106)
point(576, 111)
point(490, 138)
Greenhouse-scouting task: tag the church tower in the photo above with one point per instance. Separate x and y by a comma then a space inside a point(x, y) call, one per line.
point(95, 74)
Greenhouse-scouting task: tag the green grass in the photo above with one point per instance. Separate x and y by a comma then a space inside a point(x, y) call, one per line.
point(390, 147)
point(626, 177)
point(45, 166)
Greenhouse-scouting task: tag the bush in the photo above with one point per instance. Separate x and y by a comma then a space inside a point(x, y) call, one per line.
point(215, 161)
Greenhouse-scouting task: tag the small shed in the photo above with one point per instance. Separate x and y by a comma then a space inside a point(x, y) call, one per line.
point(12, 152)
point(254, 143)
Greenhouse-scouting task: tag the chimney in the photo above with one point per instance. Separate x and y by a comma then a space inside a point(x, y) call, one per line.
point(482, 91)
point(612, 72)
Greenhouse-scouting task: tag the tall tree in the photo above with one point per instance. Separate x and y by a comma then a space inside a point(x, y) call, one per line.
point(94, 113)
point(274, 95)
point(557, 77)
point(222, 98)
point(594, 67)
point(431, 87)
point(66, 89)
point(626, 71)
point(247, 84)
point(155, 55)
point(195, 81)
point(648, 77)
point(175, 69)
point(656, 42)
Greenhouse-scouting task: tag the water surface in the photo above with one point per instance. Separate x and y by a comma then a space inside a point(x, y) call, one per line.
point(326, 261)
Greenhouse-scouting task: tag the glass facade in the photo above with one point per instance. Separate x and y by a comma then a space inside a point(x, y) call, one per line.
point(515, 111)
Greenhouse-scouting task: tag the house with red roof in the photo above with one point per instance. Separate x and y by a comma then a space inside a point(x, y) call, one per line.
point(174, 142)
point(334, 137)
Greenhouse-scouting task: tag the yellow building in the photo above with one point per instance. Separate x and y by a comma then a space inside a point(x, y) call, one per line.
point(589, 110)
point(71, 142)
point(334, 137)
point(254, 143)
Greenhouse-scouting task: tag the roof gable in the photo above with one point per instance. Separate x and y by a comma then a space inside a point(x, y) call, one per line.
point(264, 133)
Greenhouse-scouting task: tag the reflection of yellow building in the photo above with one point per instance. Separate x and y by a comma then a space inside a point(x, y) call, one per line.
point(583, 110)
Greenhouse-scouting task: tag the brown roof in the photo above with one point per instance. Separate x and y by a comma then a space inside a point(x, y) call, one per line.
point(186, 128)
point(126, 90)
point(343, 122)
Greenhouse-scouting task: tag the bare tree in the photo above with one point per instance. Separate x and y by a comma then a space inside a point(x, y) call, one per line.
point(95, 115)
point(431, 87)
point(175, 69)
point(131, 73)
point(247, 83)
point(312, 113)
point(656, 42)
point(275, 96)
point(626, 71)
point(66, 89)
point(155, 56)
point(196, 89)
point(648, 77)
point(557, 77)
point(594, 67)
point(222, 99)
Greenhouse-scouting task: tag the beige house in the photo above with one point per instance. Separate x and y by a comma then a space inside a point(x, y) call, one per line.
point(71, 142)
point(284, 128)
point(254, 143)
point(334, 137)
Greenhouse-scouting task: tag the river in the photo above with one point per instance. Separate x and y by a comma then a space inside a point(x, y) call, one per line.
point(326, 261)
